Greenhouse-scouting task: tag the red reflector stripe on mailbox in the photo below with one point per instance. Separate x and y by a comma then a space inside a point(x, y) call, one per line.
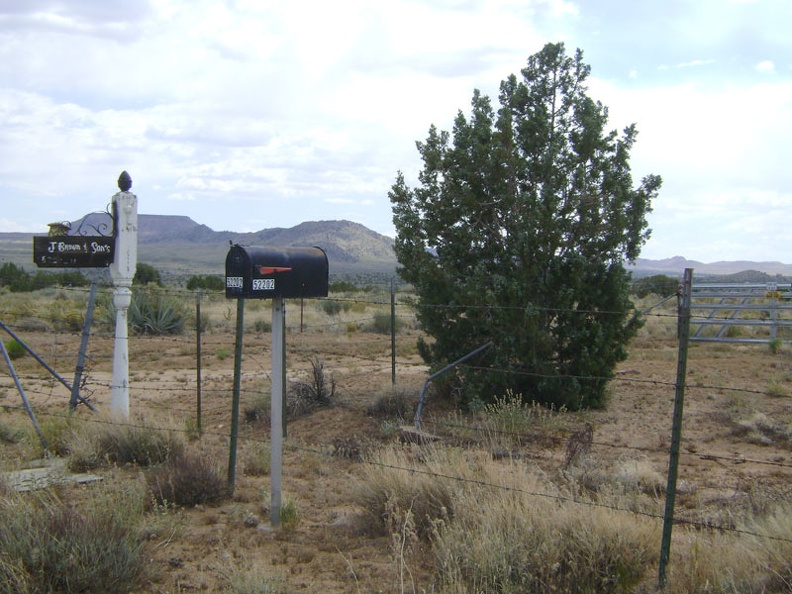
point(274, 269)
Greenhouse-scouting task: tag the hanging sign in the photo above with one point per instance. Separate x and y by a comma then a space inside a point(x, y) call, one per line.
point(73, 251)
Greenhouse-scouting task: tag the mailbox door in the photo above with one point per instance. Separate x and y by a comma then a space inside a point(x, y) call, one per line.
point(289, 272)
point(237, 273)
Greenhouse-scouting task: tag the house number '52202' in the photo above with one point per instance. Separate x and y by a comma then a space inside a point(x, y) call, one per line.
point(263, 284)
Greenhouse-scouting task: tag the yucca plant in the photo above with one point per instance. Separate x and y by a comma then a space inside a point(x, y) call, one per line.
point(152, 312)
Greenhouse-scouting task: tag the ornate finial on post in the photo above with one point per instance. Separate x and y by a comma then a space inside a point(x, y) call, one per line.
point(124, 182)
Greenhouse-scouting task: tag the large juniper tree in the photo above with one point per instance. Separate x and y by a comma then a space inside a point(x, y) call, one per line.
point(518, 233)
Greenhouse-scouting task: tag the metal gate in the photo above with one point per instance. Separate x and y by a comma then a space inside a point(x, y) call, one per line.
point(741, 312)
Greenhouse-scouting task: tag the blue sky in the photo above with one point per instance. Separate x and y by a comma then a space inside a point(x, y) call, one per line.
point(252, 114)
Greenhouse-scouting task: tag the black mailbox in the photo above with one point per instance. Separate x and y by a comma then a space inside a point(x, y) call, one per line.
point(266, 272)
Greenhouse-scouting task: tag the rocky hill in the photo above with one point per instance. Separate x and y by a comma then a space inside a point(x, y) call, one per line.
point(179, 246)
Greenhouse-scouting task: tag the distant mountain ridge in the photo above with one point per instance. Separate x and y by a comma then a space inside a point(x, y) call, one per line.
point(677, 265)
point(177, 242)
point(343, 241)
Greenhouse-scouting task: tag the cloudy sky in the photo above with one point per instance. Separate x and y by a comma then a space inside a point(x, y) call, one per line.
point(252, 114)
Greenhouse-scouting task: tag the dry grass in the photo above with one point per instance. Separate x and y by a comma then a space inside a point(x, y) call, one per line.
point(108, 441)
point(51, 546)
point(524, 535)
point(453, 517)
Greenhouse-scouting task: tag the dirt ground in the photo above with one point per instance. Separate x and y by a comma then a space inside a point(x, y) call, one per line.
point(735, 445)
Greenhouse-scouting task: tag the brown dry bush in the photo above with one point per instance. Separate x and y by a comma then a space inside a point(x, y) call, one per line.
point(51, 546)
point(107, 442)
point(189, 479)
point(394, 402)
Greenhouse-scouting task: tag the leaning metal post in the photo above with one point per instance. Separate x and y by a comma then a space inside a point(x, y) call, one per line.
point(445, 369)
point(122, 270)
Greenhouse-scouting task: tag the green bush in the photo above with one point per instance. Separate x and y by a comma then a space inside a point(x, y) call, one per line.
point(14, 349)
point(145, 274)
point(333, 307)
point(343, 287)
point(208, 282)
point(382, 323)
point(289, 516)
point(659, 284)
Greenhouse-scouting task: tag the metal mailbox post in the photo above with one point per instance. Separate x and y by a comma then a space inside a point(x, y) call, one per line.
point(276, 273)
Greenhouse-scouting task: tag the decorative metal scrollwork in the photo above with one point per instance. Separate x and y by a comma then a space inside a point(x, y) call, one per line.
point(101, 223)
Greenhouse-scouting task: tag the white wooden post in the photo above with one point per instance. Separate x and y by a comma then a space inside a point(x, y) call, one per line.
point(123, 271)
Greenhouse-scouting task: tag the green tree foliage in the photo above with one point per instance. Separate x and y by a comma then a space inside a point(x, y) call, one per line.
point(14, 277)
point(146, 274)
point(659, 284)
point(518, 232)
point(18, 280)
point(208, 282)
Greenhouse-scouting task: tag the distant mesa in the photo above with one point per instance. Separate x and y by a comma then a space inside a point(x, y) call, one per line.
point(178, 241)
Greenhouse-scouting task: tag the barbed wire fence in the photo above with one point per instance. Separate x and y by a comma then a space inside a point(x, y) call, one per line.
point(361, 312)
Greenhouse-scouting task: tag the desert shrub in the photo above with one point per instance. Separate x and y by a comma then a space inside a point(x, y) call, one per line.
point(305, 397)
point(57, 431)
point(152, 312)
point(659, 284)
point(14, 349)
point(146, 274)
point(394, 402)
point(515, 542)
point(256, 459)
point(258, 410)
point(726, 562)
point(333, 307)
point(289, 516)
point(10, 433)
point(509, 421)
point(381, 324)
point(754, 559)
point(504, 527)
point(107, 443)
point(189, 479)
point(262, 326)
point(530, 537)
point(209, 282)
point(391, 497)
point(343, 287)
point(51, 546)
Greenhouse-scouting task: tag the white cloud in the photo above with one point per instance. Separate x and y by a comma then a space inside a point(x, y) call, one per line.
point(305, 109)
point(695, 63)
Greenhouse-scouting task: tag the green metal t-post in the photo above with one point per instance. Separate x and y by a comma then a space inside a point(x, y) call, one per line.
point(676, 430)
